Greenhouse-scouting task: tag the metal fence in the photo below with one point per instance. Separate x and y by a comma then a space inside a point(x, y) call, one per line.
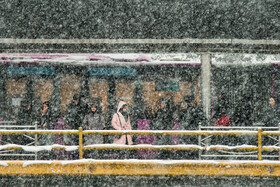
point(269, 133)
point(258, 148)
point(13, 125)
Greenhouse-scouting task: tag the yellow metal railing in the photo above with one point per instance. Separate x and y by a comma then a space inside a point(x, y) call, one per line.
point(259, 144)
point(80, 133)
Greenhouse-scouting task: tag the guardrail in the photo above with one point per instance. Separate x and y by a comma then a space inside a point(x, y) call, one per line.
point(231, 153)
point(13, 125)
point(259, 148)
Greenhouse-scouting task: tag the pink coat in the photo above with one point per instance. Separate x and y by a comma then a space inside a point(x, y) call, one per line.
point(124, 139)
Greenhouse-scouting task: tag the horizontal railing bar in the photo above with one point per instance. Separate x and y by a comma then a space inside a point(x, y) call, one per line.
point(140, 132)
point(256, 156)
point(240, 127)
point(158, 132)
point(266, 156)
point(270, 156)
point(134, 132)
point(37, 148)
point(130, 147)
point(238, 153)
point(5, 132)
point(141, 147)
point(271, 133)
point(226, 147)
point(7, 151)
point(270, 148)
point(17, 154)
point(7, 122)
point(202, 127)
point(167, 147)
point(12, 148)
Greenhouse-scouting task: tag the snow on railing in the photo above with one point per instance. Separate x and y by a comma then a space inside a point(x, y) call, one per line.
point(38, 148)
point(259, 148)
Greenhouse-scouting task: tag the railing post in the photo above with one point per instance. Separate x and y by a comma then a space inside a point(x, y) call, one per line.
point(199, 143)
point(259, 144)
point(81, 142)
point(36, 139)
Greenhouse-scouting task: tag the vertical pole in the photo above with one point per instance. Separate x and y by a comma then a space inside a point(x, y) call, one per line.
point(81, 142)
point(36, 139)
point(3, 89)
point(259, 144)
point(206, 83)
point(111, 102)
point(199, 143)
